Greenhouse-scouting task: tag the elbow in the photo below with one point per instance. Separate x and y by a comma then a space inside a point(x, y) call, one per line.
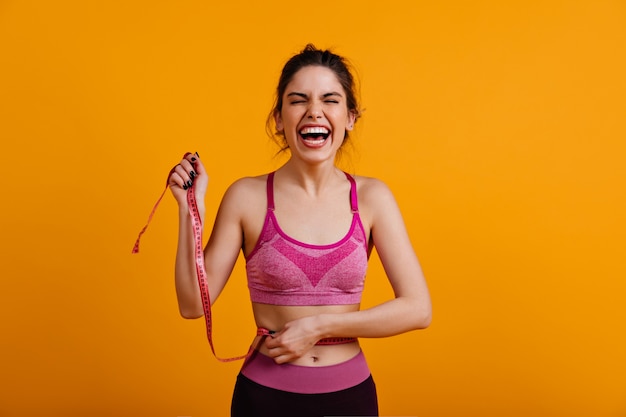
point(425, 319)
point(188, 313)
point(422, 317)
point(189, 307)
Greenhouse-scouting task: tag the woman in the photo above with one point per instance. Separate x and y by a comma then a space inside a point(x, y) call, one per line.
point(306, 232)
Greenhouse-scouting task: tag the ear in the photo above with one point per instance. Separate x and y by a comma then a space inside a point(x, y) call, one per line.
point(278, 120)
point(351, 120)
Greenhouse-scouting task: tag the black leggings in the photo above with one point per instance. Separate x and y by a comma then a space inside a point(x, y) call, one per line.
point(254, 400)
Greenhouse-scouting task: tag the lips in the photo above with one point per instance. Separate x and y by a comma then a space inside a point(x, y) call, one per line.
point(314, 135)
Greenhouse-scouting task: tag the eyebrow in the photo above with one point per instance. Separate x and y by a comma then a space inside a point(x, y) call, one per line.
point(303, 95)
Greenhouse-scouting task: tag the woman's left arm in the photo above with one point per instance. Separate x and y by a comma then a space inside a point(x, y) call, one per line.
point(411, 307)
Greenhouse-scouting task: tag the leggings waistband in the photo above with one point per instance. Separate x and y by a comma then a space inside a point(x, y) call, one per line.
point(306, 379)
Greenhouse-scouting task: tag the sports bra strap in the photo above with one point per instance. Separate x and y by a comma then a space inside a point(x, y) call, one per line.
point(270, 191)
point(354, 201)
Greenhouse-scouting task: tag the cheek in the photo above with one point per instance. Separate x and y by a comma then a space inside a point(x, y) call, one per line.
point(290, 135)
point(291, 120)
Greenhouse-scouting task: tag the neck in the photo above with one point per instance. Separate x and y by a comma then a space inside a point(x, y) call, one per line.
point(311, 177)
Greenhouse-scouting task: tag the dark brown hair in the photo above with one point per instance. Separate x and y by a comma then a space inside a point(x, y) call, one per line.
point(310, 55)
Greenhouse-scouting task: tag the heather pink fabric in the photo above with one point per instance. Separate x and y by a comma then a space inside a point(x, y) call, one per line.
point(306, 379)
point(284, 271)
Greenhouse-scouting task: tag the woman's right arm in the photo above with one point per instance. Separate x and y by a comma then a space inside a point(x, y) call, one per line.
point(223, 247)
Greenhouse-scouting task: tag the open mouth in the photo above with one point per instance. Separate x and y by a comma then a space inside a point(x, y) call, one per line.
point(314, 135)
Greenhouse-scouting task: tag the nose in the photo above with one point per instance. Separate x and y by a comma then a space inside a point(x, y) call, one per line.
point(315, 111)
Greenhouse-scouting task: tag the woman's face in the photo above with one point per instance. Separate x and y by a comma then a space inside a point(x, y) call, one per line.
point(314, 116)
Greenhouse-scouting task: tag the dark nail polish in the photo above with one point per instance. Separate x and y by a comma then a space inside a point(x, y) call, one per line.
point(193, 159)
point(192, 174)
point(189, 183)
point(185, 186)
point(197, 154)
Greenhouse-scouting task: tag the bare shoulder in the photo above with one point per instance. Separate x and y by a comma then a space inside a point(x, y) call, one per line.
point(246, 201)
point(373, 193)
point(245, 196)
point(376, 202)
point(245, 190)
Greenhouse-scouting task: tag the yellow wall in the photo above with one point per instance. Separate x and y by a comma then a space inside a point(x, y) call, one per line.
point(499, 126)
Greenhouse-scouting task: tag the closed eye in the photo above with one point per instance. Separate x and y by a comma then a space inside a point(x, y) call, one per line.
point(297, 98)
point(332, 97)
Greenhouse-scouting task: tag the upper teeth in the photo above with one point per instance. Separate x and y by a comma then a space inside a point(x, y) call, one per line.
point(316, 129)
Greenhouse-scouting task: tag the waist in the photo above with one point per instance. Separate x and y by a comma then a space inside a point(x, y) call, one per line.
point(326, 352)
point(262, 331)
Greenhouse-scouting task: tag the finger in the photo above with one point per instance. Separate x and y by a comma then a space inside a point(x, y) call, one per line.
point(191, 157)
point(181, 177)
point(274, 352)
point(195, 167)
point(176, 180)
point(197, 163)
point(281, 359)
point(273, 341)
point(188, 167)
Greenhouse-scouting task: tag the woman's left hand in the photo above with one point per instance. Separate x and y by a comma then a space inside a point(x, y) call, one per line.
point(294, 340)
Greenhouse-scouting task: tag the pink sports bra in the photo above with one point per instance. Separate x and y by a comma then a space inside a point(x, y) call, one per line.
point(284, 271)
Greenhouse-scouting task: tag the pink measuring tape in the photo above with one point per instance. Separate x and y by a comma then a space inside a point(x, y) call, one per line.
point(202, 276)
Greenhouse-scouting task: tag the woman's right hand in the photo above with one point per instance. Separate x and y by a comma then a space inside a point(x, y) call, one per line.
point(189, 171)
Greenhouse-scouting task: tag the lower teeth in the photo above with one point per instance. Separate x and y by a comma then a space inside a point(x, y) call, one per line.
point(315, 141)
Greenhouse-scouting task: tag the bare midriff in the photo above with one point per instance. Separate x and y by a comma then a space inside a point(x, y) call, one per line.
point(274, 317)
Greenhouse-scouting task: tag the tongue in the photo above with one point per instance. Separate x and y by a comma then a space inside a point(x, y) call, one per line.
point(314, 141)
